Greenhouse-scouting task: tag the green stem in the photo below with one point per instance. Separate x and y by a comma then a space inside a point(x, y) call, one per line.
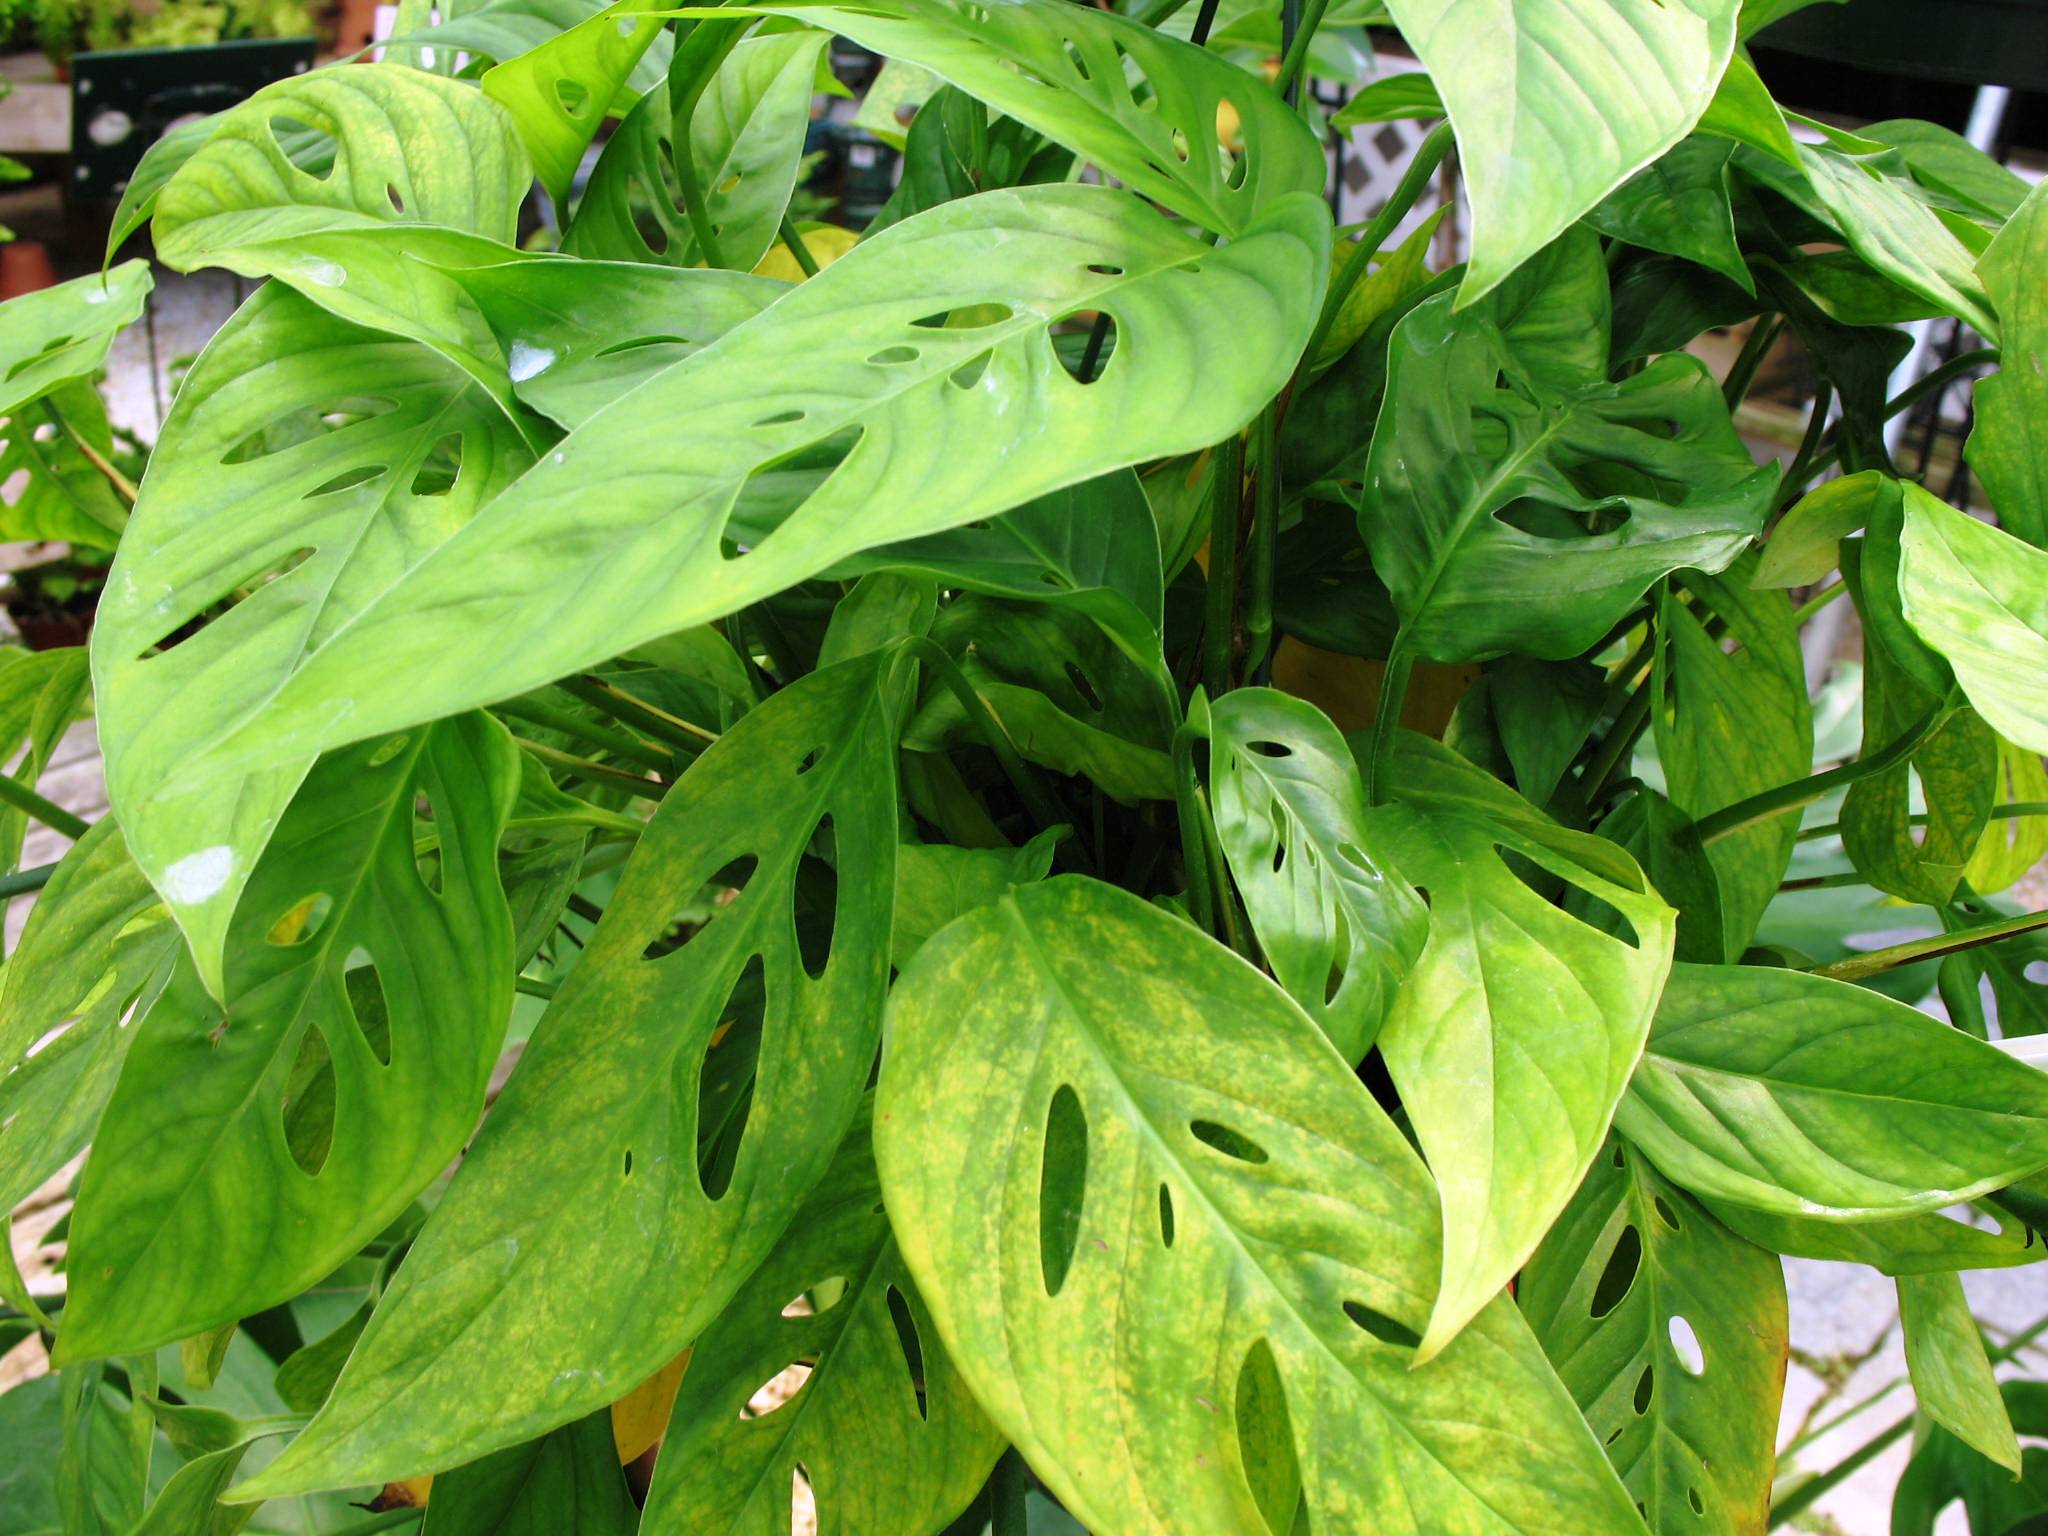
point(22, 798)
point(2011, 812)
point(596, 773)
point(1161, 12)
point(1750, 358)
point(637, 712)
point(22, 881)
point(1800, 1499)
point(1790, 797)
point(797, 248)
point(533, 986)
point(1007, 1486)
point(596, 735)
point(1043, 808)
point(1219, 615)
point(1615, 746)
point(1428, 156)
point(1856, 967)
point(1814, 604)
point(706, 48)
point(1809, 445)
point(1190, 809)
point(1258, 618)
point(1940, 378)
point(781, 650)
point(1296, 58)
point(1386, 724)
point(123, 486)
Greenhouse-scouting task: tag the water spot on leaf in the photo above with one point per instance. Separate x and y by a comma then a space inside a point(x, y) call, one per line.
point(1062, 1186)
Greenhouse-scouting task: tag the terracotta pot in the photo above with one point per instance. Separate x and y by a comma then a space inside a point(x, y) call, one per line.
point(25, 267)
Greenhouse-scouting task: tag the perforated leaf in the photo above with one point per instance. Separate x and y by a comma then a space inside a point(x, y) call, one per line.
point(49, 489)
point(58, 334)
point(565, 1482)
point(2009, 446)
point(838, 354)
point(1128, 1175)
point(1140, 104)
point(665, 1122)
point(1671, 1333)
point(745, 143)
point(1505, 461)
point(1514, 1035)
point(1558, 102)
point(559, 93)
point(1338, 927)
point(1810, 1097)
point(230, 1172)
point(879, 1424)
point(327, 457)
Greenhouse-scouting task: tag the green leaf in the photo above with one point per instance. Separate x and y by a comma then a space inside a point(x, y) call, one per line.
point(354, 973)
point(1944, 1471)
point(558, 94)
point(1338, 928)
point(936, 883)
point(1730, 724)
point(1979, 597)
point(295, 434)
point(667, 461)
point(2011, 845)
point(1122, 1165)
point(59, 494)
point(1396, 279)
point(92, 946)
point(505, 29)
point(1664, 841)
point(943, 158)
point(1810, 1097)
point(1906, 1245)
point(1390, 99)
point(881, 1426)
point(567, 1481)
point(1742, 110)
point(41, 693)
point(2009, 447)
point(1679, 204)
point(1945, 162)
point(58, 335)
point(640, 1157)
point(1137, 103)
point(1805, 546)
point(746, 142)
point(32, 1429)
point(1514, 1035)
point(103, 1473)
point(1670, 1332)
point(409, 147)
point(1558, 102)
point(1951, 1375)
point(1486, 476)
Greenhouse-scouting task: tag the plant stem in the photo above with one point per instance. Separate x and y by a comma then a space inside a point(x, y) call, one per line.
point(1414, 181)
point(533, 986)
point(1295, 60)
point(1856, 967)
point(1809, 445)
point(123, 486)
point(1616, 745)
point(2011, 812)
point(1205, 19)
point(22, 798)
point(1940, 378)
point(1802, 1498)
point(637, 712)
point(1790, 797)
point(797, 248)
point(1743, 373)
point(1161, 12)
point(1007, 1486)
point(1814, 604)
point(1190, 808)
point(781, 650)
point(604, 736)
point(22, 881)
point(1386, 723)
point(596, 773)
point(1219, 614)
point(1258, 618)
point(1043, 808)
point(708, 44)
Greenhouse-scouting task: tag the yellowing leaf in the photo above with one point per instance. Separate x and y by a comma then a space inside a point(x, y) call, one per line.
point(641, 1416)
point(826, 243)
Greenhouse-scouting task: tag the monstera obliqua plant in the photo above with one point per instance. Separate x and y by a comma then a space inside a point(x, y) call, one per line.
point(1119, 862)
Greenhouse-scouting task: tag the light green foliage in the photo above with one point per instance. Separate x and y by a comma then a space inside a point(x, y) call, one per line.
point(571, 1015)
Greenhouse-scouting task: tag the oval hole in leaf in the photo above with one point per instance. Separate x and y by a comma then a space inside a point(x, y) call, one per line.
point(366, 1003)
point(906, 1340)
point(776, 1393)
point(1382, 1327)
point(429, 865)
point(438, 470)
point(716, 897)
point(725, 1081)
point(308, 1106)
point(1232, 1144)
point(817, 887)
point(1686, 1345)
point(781, 419)
point(1165, 1215)
point(889, 356)
point(1619, 1276)
point(1265, 1439)
point(803, 1500)
point(1083, 687)
point(1646, 1386)
point(637, 342)
point(969, 373)
point(816, 1300)
point(305, 146)
point(300, 921)
point(347, 480)
point(1062, 1186)
point(573, 95)
point(1664, 1212)
point(397, 198)
point(1692, 1497)
point(1085, 359)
